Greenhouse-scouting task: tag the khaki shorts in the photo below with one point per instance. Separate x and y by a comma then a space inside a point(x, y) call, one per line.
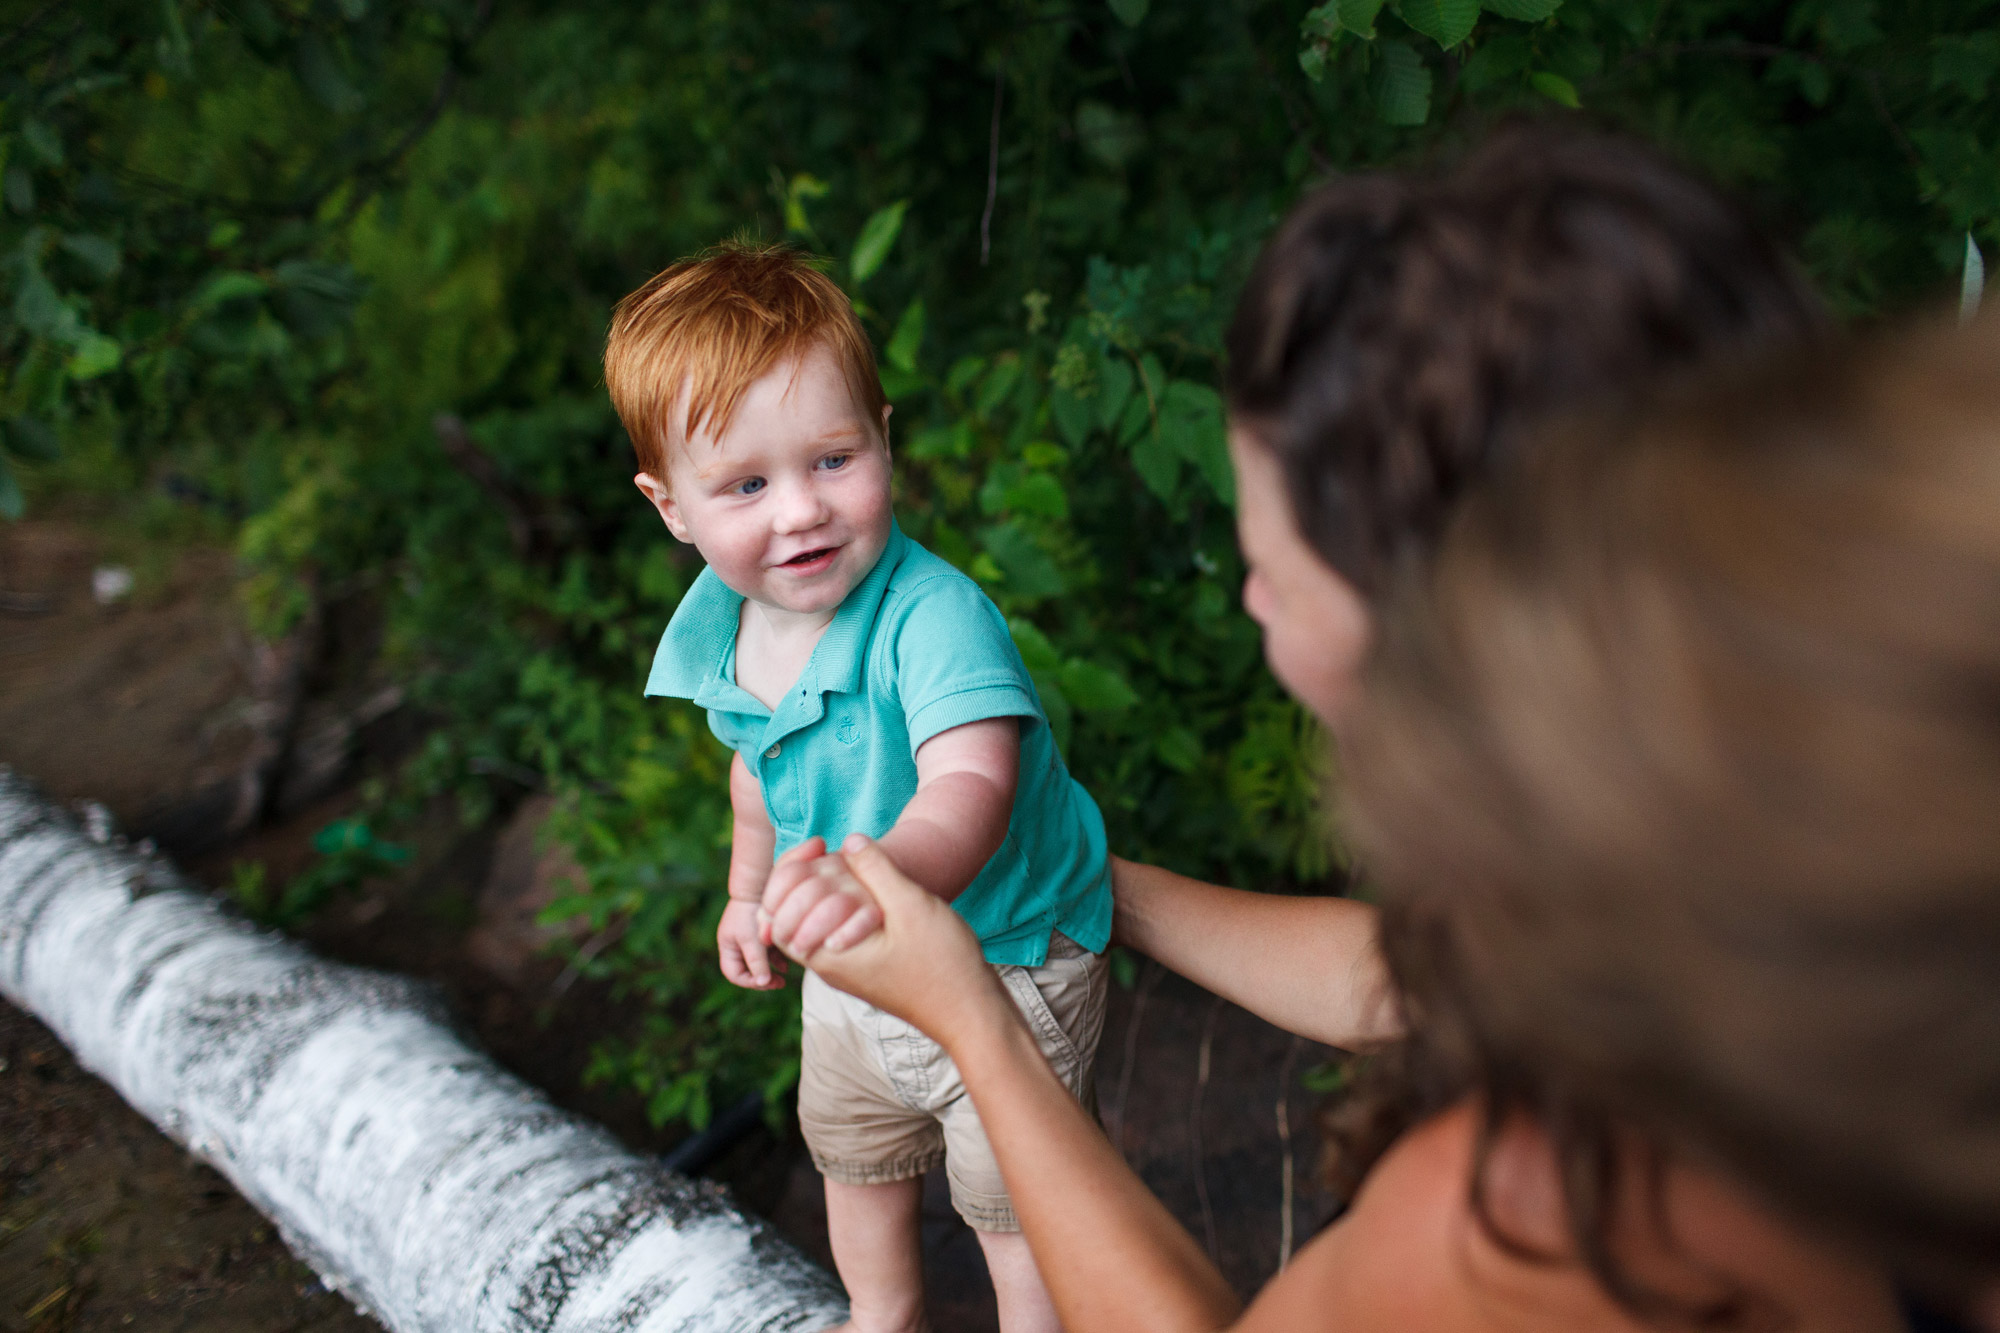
point(880, 1101)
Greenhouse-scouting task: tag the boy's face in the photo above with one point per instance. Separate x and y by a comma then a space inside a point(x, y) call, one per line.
point(790, 505)
point(1316, 625)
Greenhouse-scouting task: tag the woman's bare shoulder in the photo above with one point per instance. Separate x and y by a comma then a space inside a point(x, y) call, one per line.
point(1412, 1253)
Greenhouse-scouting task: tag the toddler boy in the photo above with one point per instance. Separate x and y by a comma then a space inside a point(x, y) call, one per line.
point(865, 686)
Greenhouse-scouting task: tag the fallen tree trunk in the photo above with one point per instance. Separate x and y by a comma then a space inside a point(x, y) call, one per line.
point(436, 1191)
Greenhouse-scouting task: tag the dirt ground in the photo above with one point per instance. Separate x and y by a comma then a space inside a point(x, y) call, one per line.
point(147, 706)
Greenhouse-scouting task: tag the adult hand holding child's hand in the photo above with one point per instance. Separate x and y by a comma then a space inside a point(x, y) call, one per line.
point(901, 948)
point(809, 910)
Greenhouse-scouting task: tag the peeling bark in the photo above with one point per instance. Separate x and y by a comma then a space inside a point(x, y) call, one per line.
point(438, 1192)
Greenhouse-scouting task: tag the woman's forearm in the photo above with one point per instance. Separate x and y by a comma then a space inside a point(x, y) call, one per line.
point(1308, 964)
point(1113, 1257)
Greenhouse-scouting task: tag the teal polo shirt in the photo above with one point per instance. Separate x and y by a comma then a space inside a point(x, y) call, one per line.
point(914, 650)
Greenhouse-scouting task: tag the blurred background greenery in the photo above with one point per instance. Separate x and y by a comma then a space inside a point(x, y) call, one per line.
point(327, 280)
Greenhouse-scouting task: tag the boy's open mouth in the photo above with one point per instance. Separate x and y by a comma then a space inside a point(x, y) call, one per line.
point(810, 557)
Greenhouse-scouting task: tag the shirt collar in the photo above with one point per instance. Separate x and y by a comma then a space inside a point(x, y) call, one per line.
point(696, 647)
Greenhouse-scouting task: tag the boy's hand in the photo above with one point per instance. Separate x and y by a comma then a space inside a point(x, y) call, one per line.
point(746, 961)
point(805, 910)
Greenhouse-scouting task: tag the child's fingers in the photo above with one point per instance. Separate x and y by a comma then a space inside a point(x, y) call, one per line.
point(800, 900)
point(865, 922)
point(733, 969)
point(756, 961)
point(833, 912)
point(791, 870)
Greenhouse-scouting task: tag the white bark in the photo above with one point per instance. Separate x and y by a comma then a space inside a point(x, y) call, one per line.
point(438, 1192)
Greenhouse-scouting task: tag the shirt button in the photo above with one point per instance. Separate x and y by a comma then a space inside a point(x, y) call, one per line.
point(772, 753)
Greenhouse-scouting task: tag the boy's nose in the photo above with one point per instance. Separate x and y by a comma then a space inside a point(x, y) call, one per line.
point(800, 507)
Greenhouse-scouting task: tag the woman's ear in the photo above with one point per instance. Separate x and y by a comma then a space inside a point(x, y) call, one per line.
point(662, 500)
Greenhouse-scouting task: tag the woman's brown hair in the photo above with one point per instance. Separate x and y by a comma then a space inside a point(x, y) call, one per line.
point(1680, 774)
point(1401, 331)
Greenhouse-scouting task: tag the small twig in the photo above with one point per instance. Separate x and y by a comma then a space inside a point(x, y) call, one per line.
point(1194, 1128)
point(1285, 1190)
point(1150, 979)
point(592, 947)
point(992, 168)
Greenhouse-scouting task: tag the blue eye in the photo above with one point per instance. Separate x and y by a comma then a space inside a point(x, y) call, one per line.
point(751, 487)
point(835, 462)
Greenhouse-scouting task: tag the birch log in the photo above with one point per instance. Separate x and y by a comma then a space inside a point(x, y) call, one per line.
point(437, 1192)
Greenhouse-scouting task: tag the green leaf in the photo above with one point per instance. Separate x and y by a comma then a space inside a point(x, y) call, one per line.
point(1342, 16)
point(1556, 88)
point(1037, 653)
point(878, 234)
point(1030, 573)
point(95, 355)
point(19, 188)
point(1158, 464)
point(1074, 416)
point(1096, 689)
point(31, 439)
point(1114, 388)
point(40, 309)
point(1965, 63)
point(1179, 749)
point(43, 141)
point(999, 383)
point(1402, 85)
point(1524, 11)
point(1446, 22)
point(225, 287)
point(803, 186)
point(98, 253)
point(1358, 16)
point(908, 337)
point(319, 70)
point(1109, 135)
point(1499, 58)
point(1191, 424)
point(1972, 289)
point(11, 501)
point(1038, 494)
point(1131, 13)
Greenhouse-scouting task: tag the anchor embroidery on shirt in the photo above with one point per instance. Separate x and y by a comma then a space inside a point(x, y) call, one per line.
point(848, 731)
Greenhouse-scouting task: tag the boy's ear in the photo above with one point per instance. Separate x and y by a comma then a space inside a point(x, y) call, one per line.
point(887, 408)
point(662, 499)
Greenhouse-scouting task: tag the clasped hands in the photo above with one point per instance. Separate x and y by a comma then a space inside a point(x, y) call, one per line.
point(870, 930)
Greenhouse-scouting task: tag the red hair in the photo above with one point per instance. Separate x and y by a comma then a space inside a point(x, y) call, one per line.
point(700, 334)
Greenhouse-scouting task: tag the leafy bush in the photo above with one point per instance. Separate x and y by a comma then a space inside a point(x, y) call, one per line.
point(336, 275)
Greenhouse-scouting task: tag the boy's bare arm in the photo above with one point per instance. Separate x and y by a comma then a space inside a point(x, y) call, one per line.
point(739, 941)
point(947, 833)
point(965, 796)
point(1308, 964)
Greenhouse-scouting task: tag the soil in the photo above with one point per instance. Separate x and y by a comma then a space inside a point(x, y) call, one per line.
point(106, 1224)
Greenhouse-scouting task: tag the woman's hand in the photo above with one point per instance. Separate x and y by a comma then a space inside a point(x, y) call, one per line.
point(923, 964)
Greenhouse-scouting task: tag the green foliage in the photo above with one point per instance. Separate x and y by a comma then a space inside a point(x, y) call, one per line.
point(269, 257)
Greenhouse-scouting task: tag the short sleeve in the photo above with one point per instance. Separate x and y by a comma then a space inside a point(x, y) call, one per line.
point(954, 661)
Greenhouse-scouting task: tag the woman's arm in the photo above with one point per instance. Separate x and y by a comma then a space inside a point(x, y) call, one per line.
point(1309, 965)
point(1114, 1258)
